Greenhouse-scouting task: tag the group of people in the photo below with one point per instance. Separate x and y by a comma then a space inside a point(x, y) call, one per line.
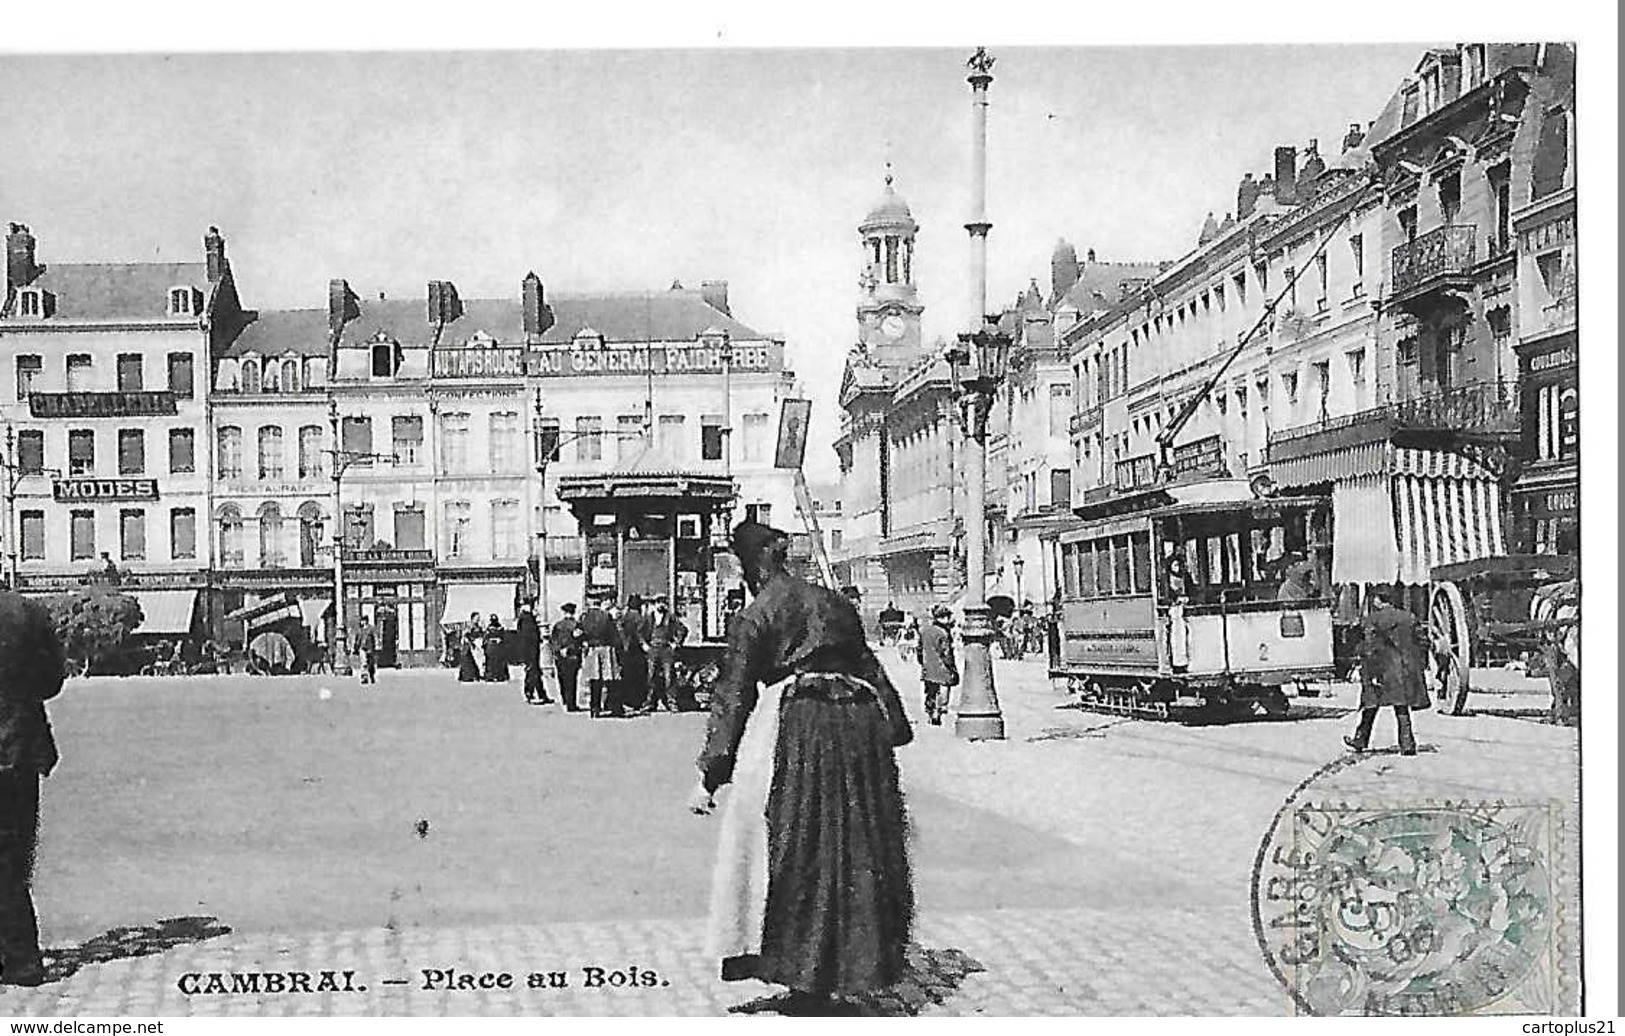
point(483, 651)
point(626, 654)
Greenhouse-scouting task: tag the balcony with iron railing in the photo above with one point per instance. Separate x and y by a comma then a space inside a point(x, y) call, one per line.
point(1480, 414)
point(1439, 259)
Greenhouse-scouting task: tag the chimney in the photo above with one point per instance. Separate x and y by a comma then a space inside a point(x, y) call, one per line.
point(214, 254)
point(538, 315)
point(1353, 137)
point(1246, 196)
point(1286, 175)
point(1209, 231)
point(1063, 269)
point(342, 305)
point(1313, 164)
point(444, 305)
point(715, 294)
point(20, 267)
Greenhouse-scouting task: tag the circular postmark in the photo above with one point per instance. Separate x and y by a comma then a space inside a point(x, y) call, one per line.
point(1430, 910)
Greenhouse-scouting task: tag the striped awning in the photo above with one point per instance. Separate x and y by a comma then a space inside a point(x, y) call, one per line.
point(1370, 458)
point(266, 610)
point(1442, 519)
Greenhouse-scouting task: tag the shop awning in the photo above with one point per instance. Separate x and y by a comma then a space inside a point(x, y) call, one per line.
point(486, 598)
point(165, 611)
point(1440, 520)
point(266, 610)
point(314, 609)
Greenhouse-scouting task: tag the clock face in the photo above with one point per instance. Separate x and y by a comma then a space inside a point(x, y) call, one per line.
point(892, 326)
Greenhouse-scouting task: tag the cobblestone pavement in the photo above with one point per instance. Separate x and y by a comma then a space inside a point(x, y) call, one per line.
point(1169, 820)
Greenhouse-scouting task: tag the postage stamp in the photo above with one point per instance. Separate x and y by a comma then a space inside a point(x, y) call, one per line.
point(1438, 909)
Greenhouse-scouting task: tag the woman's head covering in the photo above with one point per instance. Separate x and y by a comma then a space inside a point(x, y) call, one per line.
point(750, 538)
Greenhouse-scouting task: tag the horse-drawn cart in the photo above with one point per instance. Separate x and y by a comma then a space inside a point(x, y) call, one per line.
point(1505, 609)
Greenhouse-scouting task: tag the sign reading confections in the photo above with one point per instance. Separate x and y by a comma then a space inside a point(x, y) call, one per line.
point(101, 404)
point(567, 361)
point(93, 490)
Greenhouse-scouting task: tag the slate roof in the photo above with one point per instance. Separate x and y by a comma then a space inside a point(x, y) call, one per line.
point(676, 315)
point(1100, 285)
point(118, 291)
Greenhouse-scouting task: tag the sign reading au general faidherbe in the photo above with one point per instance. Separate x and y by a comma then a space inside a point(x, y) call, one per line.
point(83, 490)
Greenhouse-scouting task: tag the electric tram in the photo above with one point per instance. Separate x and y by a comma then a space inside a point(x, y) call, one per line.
point(1180, 599)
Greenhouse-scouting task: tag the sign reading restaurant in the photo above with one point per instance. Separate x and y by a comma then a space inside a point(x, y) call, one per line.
point(92, 490)
point(101, 404)
point(566, 361)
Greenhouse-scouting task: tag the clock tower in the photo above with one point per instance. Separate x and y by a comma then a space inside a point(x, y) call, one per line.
point(888, 302)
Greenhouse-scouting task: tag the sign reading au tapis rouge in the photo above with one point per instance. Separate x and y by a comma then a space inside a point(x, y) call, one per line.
point(478, 363)
point(101, 404)
point(75, 490)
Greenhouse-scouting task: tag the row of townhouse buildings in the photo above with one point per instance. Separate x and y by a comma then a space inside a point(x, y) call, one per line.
point(1421, 371)
point(161, 429)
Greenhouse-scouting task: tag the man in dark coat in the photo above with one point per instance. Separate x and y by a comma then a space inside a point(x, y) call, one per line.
point(530, 655)
point(565, 640)
point(1391, 671)
point(666, 634)
point(600, 662)
point(31, 671)
point(634, 686)
point(496, 651)
point(938, 670)
point(812, 888)
point(366, 649)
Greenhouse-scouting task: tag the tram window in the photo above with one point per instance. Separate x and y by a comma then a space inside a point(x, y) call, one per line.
point(1083, 561)
point(1142, 562)
point(1103, 567)
point(1258, 556)
point(1193, 561)
point(1215, 562)
point(1123, 581)
point(1069, 569)
point(1232, 557)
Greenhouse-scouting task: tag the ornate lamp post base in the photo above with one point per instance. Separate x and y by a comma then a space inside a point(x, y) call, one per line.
point(978, 717)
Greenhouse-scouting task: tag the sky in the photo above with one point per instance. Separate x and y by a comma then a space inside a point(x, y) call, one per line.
point(626, 170)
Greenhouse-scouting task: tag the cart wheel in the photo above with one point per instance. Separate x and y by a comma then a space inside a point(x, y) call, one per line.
point(1452, 651)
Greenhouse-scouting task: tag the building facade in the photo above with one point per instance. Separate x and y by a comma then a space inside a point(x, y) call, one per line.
point(898, 448)
point(107, 460)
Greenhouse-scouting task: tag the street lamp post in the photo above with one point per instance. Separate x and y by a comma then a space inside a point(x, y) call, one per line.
point(978, 367)
point(342, 461)
point(978, 363)
point(1018, 564)
point(544, 447)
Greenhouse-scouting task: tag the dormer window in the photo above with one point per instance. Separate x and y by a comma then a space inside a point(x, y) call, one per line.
point(587, 338)
point(181, 302)
point(31, 303)
point(250, 375)
point(385, 359)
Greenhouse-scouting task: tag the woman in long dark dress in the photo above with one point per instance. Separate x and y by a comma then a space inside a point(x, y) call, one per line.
point(804, 722)
point(496, 651)
point(469, 651)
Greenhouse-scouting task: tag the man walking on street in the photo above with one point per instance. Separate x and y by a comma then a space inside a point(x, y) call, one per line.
point(565, 641)
point(530, 655)
point(366, 648)
point(938, 670)
point(31, 671)
point(1390, 671)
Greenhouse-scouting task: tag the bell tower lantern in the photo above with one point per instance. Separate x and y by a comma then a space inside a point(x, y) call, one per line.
point(888, 301)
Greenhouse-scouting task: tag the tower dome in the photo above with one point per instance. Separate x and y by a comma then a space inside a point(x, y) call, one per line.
point(890, 210)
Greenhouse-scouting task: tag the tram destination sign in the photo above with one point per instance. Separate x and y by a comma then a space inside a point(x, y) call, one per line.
point(101, 404)
point(93, 490)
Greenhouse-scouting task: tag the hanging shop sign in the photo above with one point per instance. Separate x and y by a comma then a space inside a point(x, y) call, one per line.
point(95, 490)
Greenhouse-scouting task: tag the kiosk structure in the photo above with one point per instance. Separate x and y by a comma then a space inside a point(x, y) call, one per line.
point(660, 534)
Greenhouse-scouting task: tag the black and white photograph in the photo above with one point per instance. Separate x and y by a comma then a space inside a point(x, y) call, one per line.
point(695, 519)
